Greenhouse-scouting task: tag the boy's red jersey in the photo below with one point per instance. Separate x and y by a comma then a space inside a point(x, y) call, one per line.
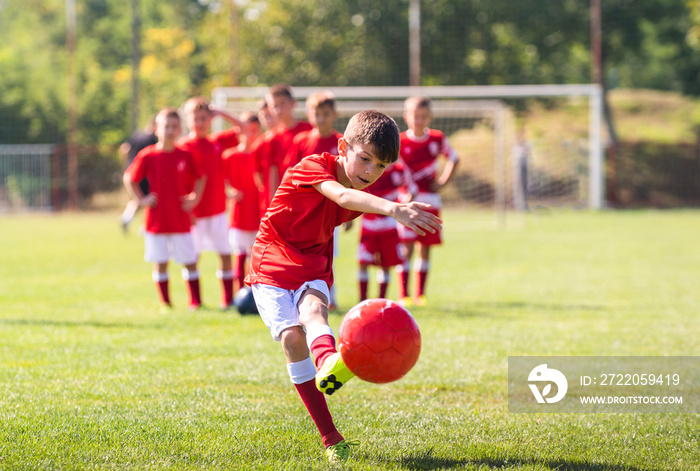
point(207, 154)
point(170, 175)
point(281, 141)
point(309, 143)
point(420, 156)
point(238, 170)
point(295, 240)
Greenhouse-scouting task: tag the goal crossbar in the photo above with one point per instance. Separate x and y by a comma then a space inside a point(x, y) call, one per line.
point(221, 95)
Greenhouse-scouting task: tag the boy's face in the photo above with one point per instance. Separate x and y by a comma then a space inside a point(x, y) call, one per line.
point(322, 118)
point(252, 131)
point(417, 119)
point(198, 121)
point(361, 166)
point(281, 107)
point(266, 118)
point(167, 129)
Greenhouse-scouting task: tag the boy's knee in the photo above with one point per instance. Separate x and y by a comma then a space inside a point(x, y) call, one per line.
point(293, 337)
point(312, 309)
point(293, 342)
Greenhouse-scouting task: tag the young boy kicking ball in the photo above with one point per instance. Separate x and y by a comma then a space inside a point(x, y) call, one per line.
point(293, 254)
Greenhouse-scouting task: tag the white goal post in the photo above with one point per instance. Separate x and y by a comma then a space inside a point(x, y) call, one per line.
point(465, 101)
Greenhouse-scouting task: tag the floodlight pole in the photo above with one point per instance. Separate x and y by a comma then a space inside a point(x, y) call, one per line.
point(135, 63)
point(71, 107)
point(233, 43)
point(414, 42)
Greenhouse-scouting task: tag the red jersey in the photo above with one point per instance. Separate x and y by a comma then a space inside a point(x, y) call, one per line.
point(420, 155)
point(395, 177)
point(238, 170)
point(309, 143)
point(281, 142)
point(295, 240)
point(170, 175)
point(207, 154)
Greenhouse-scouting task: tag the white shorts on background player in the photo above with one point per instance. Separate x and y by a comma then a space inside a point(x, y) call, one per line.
point(279, 307)
point(162, 247)
point(211, 233)
point(241, 241)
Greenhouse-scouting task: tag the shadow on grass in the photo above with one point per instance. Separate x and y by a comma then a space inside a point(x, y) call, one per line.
point(103, 325)
point(426, 461)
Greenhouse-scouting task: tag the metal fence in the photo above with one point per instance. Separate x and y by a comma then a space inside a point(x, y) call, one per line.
point(25, 177)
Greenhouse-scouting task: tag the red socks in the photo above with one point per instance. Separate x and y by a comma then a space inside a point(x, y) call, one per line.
point(321, 348)
point(403, 283)
point(240, 272)
point(163, 291)
point(226, 278)
point(316, 404)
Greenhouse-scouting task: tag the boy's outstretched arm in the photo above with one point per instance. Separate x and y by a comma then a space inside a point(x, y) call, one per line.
point(411, 215)
point(235, 120)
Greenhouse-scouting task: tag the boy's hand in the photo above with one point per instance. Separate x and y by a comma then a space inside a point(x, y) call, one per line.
point(415, 217)
point(150, 200)
point(189, 202)
point(235, 194)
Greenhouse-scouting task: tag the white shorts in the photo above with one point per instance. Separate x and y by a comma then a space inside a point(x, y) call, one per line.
point(278, 307)
point(241, 241)
point(211, 233)
point(336, 242)
point(162, 247)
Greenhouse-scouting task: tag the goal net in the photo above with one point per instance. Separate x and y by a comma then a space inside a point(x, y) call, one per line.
point(564, 162)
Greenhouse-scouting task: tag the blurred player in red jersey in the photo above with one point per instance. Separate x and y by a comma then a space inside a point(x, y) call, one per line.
point(291, 272)
point(271, 150)
point(170, 172)
point(239, 167)
point(321, 113)
point(211, 227)
point(261, 151)
point(420, 148)
point(379, 238)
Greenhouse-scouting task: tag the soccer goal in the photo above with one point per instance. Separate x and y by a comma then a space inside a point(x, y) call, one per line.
point(565, 163)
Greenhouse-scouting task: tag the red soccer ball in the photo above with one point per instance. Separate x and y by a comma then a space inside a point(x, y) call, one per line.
point(379, 340)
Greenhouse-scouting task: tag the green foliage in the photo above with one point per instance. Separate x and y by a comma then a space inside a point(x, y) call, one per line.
point(186, 49)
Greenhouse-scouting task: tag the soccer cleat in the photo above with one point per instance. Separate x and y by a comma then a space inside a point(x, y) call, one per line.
point(340, 451)
point(332, 374)
point(405, 302)
point(421, 300)
point(195, 307)
point(166, 308)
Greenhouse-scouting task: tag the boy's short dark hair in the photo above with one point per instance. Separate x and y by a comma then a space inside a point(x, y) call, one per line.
point(249, 117)
point(197, 103)
point(378, 130)
point(320, 99)
point(418, 102)
point(169, 112)
point(281, 89)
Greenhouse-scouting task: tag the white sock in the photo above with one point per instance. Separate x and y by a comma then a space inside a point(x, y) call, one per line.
point(301, 371)
point(315, 331)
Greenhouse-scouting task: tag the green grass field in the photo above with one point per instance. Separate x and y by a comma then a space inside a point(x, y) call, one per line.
point(92, 376)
